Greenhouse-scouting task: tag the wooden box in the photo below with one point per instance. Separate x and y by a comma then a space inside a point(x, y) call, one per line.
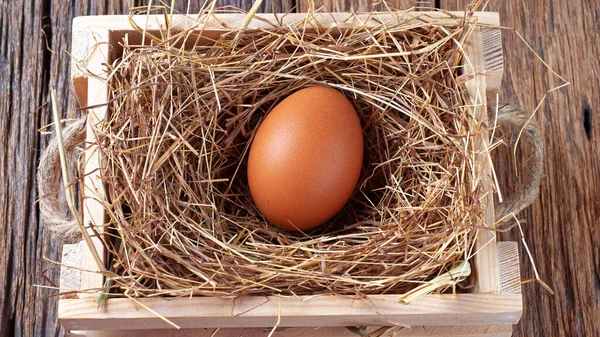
point(489, 310)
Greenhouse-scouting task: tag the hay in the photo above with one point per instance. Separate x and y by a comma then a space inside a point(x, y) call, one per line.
point(174, 149)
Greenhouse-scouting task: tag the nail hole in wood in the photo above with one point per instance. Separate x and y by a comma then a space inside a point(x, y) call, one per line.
point(587, 119)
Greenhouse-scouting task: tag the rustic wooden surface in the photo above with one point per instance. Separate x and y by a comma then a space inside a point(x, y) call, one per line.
point(562, 227)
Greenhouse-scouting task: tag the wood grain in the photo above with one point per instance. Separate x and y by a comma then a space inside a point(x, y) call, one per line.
point(486, 258)
point(561, 228)
point(359, 5)
point(415, 331)
point(23, 242)
point(508, 264)
point(254, 311)
point(93, 209)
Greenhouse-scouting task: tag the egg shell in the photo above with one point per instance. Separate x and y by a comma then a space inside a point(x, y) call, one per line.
point(306, 158)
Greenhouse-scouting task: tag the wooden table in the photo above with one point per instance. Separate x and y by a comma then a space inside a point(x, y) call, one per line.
point(562, 227)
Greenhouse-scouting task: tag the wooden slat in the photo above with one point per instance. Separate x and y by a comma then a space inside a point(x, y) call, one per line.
point(235, 21)
point(493, 57)
point(70, 274)
point(83, 40)
point(249, 311)
point(415, 331)
point(508, 263)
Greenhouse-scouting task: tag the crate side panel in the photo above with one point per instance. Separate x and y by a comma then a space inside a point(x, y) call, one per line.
point(460, 309)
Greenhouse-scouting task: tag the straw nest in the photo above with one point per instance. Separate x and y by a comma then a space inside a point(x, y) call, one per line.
point(175, 144)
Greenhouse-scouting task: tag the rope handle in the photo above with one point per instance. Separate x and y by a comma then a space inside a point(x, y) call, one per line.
point(530, 140)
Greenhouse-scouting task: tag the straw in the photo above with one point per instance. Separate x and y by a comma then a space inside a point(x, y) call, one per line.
point(181, 220)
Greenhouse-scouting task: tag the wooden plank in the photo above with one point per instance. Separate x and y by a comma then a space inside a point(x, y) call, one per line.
point(486, 258)
point(415, 331)
point(493, 57)
point(70, 274)
point(508, 264)
point(249, 311)
point(93, 191)
point(235, 21)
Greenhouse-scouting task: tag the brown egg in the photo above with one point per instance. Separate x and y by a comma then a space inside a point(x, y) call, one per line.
point(306, 158)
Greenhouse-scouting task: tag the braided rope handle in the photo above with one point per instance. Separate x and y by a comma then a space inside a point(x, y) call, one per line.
point(58, 220)
point(53, 205)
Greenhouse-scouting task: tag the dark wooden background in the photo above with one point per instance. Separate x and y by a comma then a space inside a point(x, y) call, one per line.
point(562, 227)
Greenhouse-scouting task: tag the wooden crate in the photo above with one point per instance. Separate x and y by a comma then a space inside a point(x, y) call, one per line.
point(490, 310)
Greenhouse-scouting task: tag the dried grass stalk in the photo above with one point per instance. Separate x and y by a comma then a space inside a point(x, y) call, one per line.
point(181, 120)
